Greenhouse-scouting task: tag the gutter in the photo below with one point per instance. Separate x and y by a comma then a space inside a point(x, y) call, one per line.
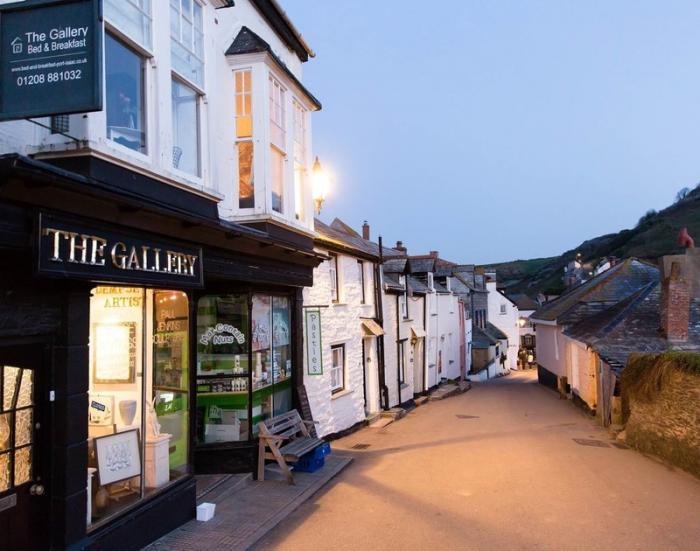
point(292, 27)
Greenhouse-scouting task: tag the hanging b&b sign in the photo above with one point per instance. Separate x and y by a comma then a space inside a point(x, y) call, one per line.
point(50, 58)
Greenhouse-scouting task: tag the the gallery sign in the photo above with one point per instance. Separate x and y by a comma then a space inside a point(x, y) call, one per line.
point(50, 58)
point(74, 249)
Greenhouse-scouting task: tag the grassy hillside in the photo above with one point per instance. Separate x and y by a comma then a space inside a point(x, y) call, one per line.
point(655, 235)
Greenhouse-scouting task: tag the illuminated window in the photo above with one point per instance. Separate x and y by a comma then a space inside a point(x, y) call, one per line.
point(244, 135)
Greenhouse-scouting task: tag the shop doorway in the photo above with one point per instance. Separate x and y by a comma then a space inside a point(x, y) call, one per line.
point(24, 431)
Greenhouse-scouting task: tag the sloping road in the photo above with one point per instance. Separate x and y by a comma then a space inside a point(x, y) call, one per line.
point(506, 475)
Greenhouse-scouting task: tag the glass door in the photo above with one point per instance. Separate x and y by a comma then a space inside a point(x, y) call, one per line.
point(23, 484)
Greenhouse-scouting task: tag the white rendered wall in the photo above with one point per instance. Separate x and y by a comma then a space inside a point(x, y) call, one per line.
point(340, 324)
point(506, 322)
point(448, 335)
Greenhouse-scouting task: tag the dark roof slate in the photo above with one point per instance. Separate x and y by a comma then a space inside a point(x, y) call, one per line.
point(421, 265)
point(523, 302)
point(247, 42)
point(415, 285)
point(394, 266)
point(481, 339)
point(494, 332)
point(598, 293)
point(328, 235)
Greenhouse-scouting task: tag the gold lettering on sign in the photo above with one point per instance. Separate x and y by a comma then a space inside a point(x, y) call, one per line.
point(171, 261)
point(119, 258)
point(98, 250)
point(133, 263)
point(72, 247)
point(156, 254)
point(56, 243)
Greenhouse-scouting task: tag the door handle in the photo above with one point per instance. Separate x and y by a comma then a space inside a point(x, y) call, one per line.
point(36, 490)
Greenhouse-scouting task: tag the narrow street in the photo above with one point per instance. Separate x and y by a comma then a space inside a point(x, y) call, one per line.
point(497, 467)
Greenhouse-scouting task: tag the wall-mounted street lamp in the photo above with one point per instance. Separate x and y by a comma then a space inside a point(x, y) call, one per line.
point(320, 185)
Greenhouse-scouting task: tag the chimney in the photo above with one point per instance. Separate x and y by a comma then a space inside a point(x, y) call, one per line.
point(365, 231)
point(434, 254)
point(675, 305)
point(399, 247)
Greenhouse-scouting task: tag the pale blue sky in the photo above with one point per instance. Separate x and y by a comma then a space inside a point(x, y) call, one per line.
point(494, 130)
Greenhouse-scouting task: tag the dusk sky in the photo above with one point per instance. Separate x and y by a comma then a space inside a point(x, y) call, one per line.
point(497, 130)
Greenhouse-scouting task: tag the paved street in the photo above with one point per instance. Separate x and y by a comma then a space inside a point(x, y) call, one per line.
point(510, 477)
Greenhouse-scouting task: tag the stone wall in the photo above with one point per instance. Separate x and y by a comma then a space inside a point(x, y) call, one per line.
point(667, 423)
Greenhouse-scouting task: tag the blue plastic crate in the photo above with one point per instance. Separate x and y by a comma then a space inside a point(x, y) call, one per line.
point(324, 449)
point(309, 463)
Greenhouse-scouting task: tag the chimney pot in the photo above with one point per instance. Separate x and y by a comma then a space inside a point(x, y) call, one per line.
point(675, 305)
point(365, 231)
point(434, 254)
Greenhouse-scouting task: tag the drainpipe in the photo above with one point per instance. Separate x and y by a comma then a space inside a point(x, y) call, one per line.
point(425, 343)
point(398, 349)
point(378, 288)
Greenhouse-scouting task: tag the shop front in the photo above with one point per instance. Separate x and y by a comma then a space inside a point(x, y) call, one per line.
point(137, 347)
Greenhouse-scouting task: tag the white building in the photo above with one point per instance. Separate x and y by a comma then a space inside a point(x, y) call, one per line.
point(503, 313)
point(344, 293)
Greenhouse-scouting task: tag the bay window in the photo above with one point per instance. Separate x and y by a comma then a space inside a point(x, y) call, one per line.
point(277, 143)
point(299, 115)
point(187, 39)
point(185, 121)
point(125, 95)
point(244, 138)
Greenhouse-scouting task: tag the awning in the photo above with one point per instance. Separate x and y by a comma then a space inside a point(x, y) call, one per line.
point(372, 329)
point(418, 333)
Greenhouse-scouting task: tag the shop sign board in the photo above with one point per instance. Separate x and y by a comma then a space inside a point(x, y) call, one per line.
point(314, 349)
point(72, 249)
point(50, 58)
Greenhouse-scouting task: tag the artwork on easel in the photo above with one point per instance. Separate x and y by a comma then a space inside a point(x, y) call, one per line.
point(114, 352)
point(118, 456)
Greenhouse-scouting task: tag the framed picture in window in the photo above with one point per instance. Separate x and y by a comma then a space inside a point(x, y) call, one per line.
point(114, 352)
point(118, 456)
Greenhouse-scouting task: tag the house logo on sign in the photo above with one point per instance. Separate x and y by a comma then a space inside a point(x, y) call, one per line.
point(16, 45)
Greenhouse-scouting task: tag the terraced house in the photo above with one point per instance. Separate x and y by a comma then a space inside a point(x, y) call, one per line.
point(154, 255)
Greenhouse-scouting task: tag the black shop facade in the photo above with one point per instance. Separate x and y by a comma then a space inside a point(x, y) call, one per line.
point(141, 341)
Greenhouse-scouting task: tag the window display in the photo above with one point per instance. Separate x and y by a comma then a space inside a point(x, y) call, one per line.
point(241, 378)
point(138, 401)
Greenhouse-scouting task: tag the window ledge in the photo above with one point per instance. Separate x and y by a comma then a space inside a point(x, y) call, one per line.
point(339, 304)
point(404, 386)
point(342, 393)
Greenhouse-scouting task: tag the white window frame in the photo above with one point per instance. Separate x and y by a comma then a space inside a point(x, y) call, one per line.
point(503, 309)
point(175, 77)
point(246, 73)
point(402, 363)
point(189, 48)
point(337, 370)
point(403, 306)
point(363, 294)
point(121, 32)
point(299, 154)
point(335, 281)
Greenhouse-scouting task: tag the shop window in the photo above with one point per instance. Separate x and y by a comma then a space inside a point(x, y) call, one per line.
point(337, 368)
point(138, 402)
point(234, 395)
point(223, 373)
point(185, 110)
point(124, 70)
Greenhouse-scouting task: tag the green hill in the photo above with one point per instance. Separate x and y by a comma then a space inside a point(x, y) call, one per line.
point(655, 235)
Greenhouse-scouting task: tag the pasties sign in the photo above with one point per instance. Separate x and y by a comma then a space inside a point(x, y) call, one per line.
point(72, 249)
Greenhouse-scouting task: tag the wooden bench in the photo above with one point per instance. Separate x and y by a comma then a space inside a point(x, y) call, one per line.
point(287, 437)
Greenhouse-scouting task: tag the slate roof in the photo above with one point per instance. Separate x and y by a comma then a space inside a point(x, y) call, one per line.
point(598, 293)
point(523, 302)
point(394, 266)
point(494, 332)
point(328, 235)
point(247, 42)
point(481, 339)
point(421, 265)
point(391, 281)
point(439, 288)
point(417, 286)
point(341, 226)
point(633, 325)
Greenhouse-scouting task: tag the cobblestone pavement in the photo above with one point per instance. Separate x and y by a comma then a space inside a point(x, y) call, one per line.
point(507, 465)
point(247, 510)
